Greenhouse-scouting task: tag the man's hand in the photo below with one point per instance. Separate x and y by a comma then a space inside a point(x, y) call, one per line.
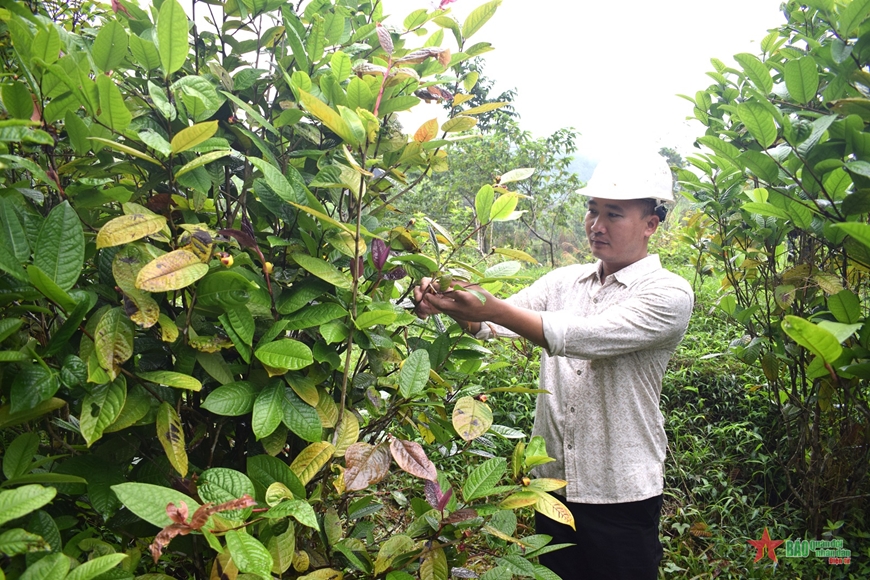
point(462, 301)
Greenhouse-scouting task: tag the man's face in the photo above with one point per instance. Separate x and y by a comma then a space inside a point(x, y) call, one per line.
point(618, 231)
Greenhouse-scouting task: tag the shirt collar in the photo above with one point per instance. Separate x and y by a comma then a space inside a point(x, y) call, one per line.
point(630, 273)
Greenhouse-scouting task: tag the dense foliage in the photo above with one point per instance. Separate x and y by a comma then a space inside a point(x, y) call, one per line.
point(208, 368)
point(783, 191)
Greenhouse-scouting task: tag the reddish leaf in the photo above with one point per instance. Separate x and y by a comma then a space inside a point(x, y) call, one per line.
point(380, 253)
point(165, 536)
point(245, 240)
point(366, 464)
point(412, 459)
point(177, 514)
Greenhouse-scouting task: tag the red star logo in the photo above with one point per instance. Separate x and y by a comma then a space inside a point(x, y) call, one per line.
point(765, 542)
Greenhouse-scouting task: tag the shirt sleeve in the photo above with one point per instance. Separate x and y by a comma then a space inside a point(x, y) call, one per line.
point(656, 316)
point(533, 297)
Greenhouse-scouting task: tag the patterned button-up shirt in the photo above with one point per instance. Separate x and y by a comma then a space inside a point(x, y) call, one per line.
point(608, 344)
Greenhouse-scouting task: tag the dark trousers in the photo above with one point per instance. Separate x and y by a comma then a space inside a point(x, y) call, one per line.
point(613, 541)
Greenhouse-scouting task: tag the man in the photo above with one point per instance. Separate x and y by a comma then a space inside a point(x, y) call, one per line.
point(608, 330)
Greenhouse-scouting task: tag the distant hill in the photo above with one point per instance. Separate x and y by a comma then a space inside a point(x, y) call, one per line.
point(583, 166)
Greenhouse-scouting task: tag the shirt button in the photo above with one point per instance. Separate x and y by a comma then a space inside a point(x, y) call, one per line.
point(572, 409)
point(579, 372)
point(595, 300)
point(570, 446)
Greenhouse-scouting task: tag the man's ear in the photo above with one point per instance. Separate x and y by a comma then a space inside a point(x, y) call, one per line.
point(652, 224)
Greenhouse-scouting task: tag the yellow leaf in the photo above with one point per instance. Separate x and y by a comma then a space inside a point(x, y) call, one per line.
point(515, 254)
point(551, 507)
point(128, 228)
point(346, 434)
point(484, 108)
point(471, 418)
point(311, 459)
point(172, 271)
point(193, 136)
point(518, 500)
point(171, 436)
point(427, 131)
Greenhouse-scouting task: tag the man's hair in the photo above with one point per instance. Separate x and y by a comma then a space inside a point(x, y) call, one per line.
point(654, 207)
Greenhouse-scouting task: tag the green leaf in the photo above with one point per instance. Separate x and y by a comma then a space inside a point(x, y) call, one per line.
point(484, 478)
point(18, 541)
point(125, 149)
point(172, 379)
point(483, 203)
point(93, 568)
point(758, 121)
point(42, 282)
point(285, 354)
point(845, 306)
point(21, 501)
point(251, 113)
point(17, 100)
point(219, 485)
point(173, 271)
point(172, 44)
point(202, 160)
point(19, 455)
point(813, 338)
point(721, 148)
point(268, 411)
point(9, 419)
point(300, 510)
point(144, 52)
point(60, 247)
point(232, 399)
point(414, 374)
point(149, 501)
point(851, 16)
point(802, 79)
point(458, 123)
point(170, 432)
point(300, 417)
point(266, 470)
point(46, 44)
point(32, 385)
point(374, 317)
point(761, 165)
point(765, 209)
point(12, 235)
point(129, 228)
point(471, 418)
point(340, 65)
point(322, 269)
point(756, 70)
point(314, 315)
point(225, 289)
point(478, 17)
point(859, 231)
point(113, 111)
point(51, 567)
point(503, 207)
point(328, 117)
point(249, 554)
point(101, 407)
point(110, 46)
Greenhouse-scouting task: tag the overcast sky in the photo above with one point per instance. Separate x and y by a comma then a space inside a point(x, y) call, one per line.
point(610, 68)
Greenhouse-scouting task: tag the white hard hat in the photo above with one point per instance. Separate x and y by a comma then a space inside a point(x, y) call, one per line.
point(631, 175)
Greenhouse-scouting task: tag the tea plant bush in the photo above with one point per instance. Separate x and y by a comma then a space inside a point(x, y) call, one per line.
point(208, 366)
point(782, 184)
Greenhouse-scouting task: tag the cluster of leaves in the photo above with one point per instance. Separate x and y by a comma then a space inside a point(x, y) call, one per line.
point(201, 309)
point(784, 189)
